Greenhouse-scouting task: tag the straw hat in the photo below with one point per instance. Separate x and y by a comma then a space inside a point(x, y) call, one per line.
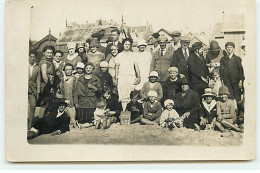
point(208, 92)
point(141, 42)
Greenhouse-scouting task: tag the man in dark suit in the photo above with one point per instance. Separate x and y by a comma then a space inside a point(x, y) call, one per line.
point(180, 57)
point(32, 85)
point(232, 72)
point(115, 36)
point(198, 69)
point(56, 122)
point(161, 59)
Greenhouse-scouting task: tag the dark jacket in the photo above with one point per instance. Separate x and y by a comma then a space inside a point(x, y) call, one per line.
point(134, 114)
point(87, 97)
point(197, 68)
point(113, 104)
point(105, 80)
point(231, 70)
point(178, 60)
point(188, 103)
point(50, 123)
point(170, 88)
point(208, 113)
point(155, 110)
point(161, 64)
point(108, 48)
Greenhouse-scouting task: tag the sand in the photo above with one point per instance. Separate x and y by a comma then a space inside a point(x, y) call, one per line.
point(142, 134)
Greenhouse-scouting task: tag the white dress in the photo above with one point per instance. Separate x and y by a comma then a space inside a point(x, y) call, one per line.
point(144, 62)
point(126, 74)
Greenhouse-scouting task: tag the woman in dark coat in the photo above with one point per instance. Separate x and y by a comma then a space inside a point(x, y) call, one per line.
point(198, 69)
point(187, 104)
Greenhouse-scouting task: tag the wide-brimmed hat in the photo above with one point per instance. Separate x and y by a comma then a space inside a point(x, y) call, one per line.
point(152, 93)
point(197, 45)
point(80, 65)
point(230, 44)
point(141, 42)
point(223, 90)
point(71, 45)
point(209, 92)
point(185, 38)
point(173, 69)
point(214, 46)
point(168, 101)
point(154, 73)
point(162, 38)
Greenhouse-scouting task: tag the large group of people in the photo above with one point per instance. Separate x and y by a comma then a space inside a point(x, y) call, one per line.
point(174, 85)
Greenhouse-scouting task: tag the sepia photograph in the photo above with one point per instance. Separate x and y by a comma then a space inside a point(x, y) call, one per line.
point(139, 73)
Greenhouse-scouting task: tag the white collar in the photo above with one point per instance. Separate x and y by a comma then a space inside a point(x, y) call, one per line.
point(59, 114)
point(230, 56)
point(212, 104)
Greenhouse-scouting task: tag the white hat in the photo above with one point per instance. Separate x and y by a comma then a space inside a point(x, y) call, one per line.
point(168, 101)
point(141, 42)
point(154, 73)
point(80, 65)
point(71, 45)
point(103, 64)
point(152, 93)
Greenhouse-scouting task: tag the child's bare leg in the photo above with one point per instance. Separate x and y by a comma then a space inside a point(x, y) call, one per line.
point(104, 124)
point(138, 119)
point(108, 122)
point(220, 127)
point(86, 125)
point(98, 122)
point(230, 125)
point(174, 125)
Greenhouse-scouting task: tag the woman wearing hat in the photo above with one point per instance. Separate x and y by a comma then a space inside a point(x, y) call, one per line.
point(143, 59)
point(187, 104)
point(226, 111)
point(232, 72)
point(73, 57)
point(127, 72)
point(94, 56)
point(82, 52)
point(198, 69)
point(213, 57)
point(208, 110)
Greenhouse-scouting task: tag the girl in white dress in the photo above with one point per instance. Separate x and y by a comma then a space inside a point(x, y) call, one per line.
point(127, 72)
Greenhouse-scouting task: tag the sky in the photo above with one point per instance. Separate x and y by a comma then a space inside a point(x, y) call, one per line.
point(194, 16)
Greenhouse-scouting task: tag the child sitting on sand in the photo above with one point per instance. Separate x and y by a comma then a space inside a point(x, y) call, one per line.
point(226, 111)
point(169, 118)
point(152, 109)
point(135, 107)
point(100, 115)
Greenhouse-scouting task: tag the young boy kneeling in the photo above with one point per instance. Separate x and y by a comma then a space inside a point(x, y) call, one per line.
point(135, 107)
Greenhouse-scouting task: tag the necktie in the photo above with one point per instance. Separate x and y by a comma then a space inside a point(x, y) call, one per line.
point(186, 55)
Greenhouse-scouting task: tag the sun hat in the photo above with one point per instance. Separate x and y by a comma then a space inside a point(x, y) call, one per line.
point(209, 92)
point(80, 65)
point(154, 73)
point(141, 42)
point(168, 101)
point(223, 90)
point(152, 93)
point(71, 45)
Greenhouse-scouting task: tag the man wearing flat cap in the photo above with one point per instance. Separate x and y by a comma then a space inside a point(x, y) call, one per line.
point(161, 59)
point(232, 72)
point(180, 57)
point(176, 40)
point(198, 69)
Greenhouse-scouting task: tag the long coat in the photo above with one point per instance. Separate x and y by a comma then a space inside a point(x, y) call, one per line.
point(178, 60)
point(188, 103)
point(87, 97)
point(161, 64)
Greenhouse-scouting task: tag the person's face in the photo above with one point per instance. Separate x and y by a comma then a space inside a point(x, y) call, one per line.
point(185, 87)
point(68, 70)
point(88, 69)
point(93, 49)
point(62, 108)
point(200, 51)
point(127, 46)
point(224, 97)
point(87, 46)
point(81, 49)
point(185, 44)
point(80, 70)
point(71, 51)
point(142, 48)
point(169, 107)
point(134, 99)
point(104, 69)
point(48, 53)
point(208, 99)
point(114, 51)
point(173, 75)
point(32, 58)
point(216, 77)
point(57, 57)
point(107, 95)
point(152, 99)
point(229, 49)
point(162, 45)
point(115, 36)
point(153, 79)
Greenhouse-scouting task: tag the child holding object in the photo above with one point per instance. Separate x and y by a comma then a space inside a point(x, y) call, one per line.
point(169, 118)
point(152, 109)
point(135, 107)
point(226, 111)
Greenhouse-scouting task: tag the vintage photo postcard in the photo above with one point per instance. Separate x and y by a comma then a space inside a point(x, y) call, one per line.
point(139, 80)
